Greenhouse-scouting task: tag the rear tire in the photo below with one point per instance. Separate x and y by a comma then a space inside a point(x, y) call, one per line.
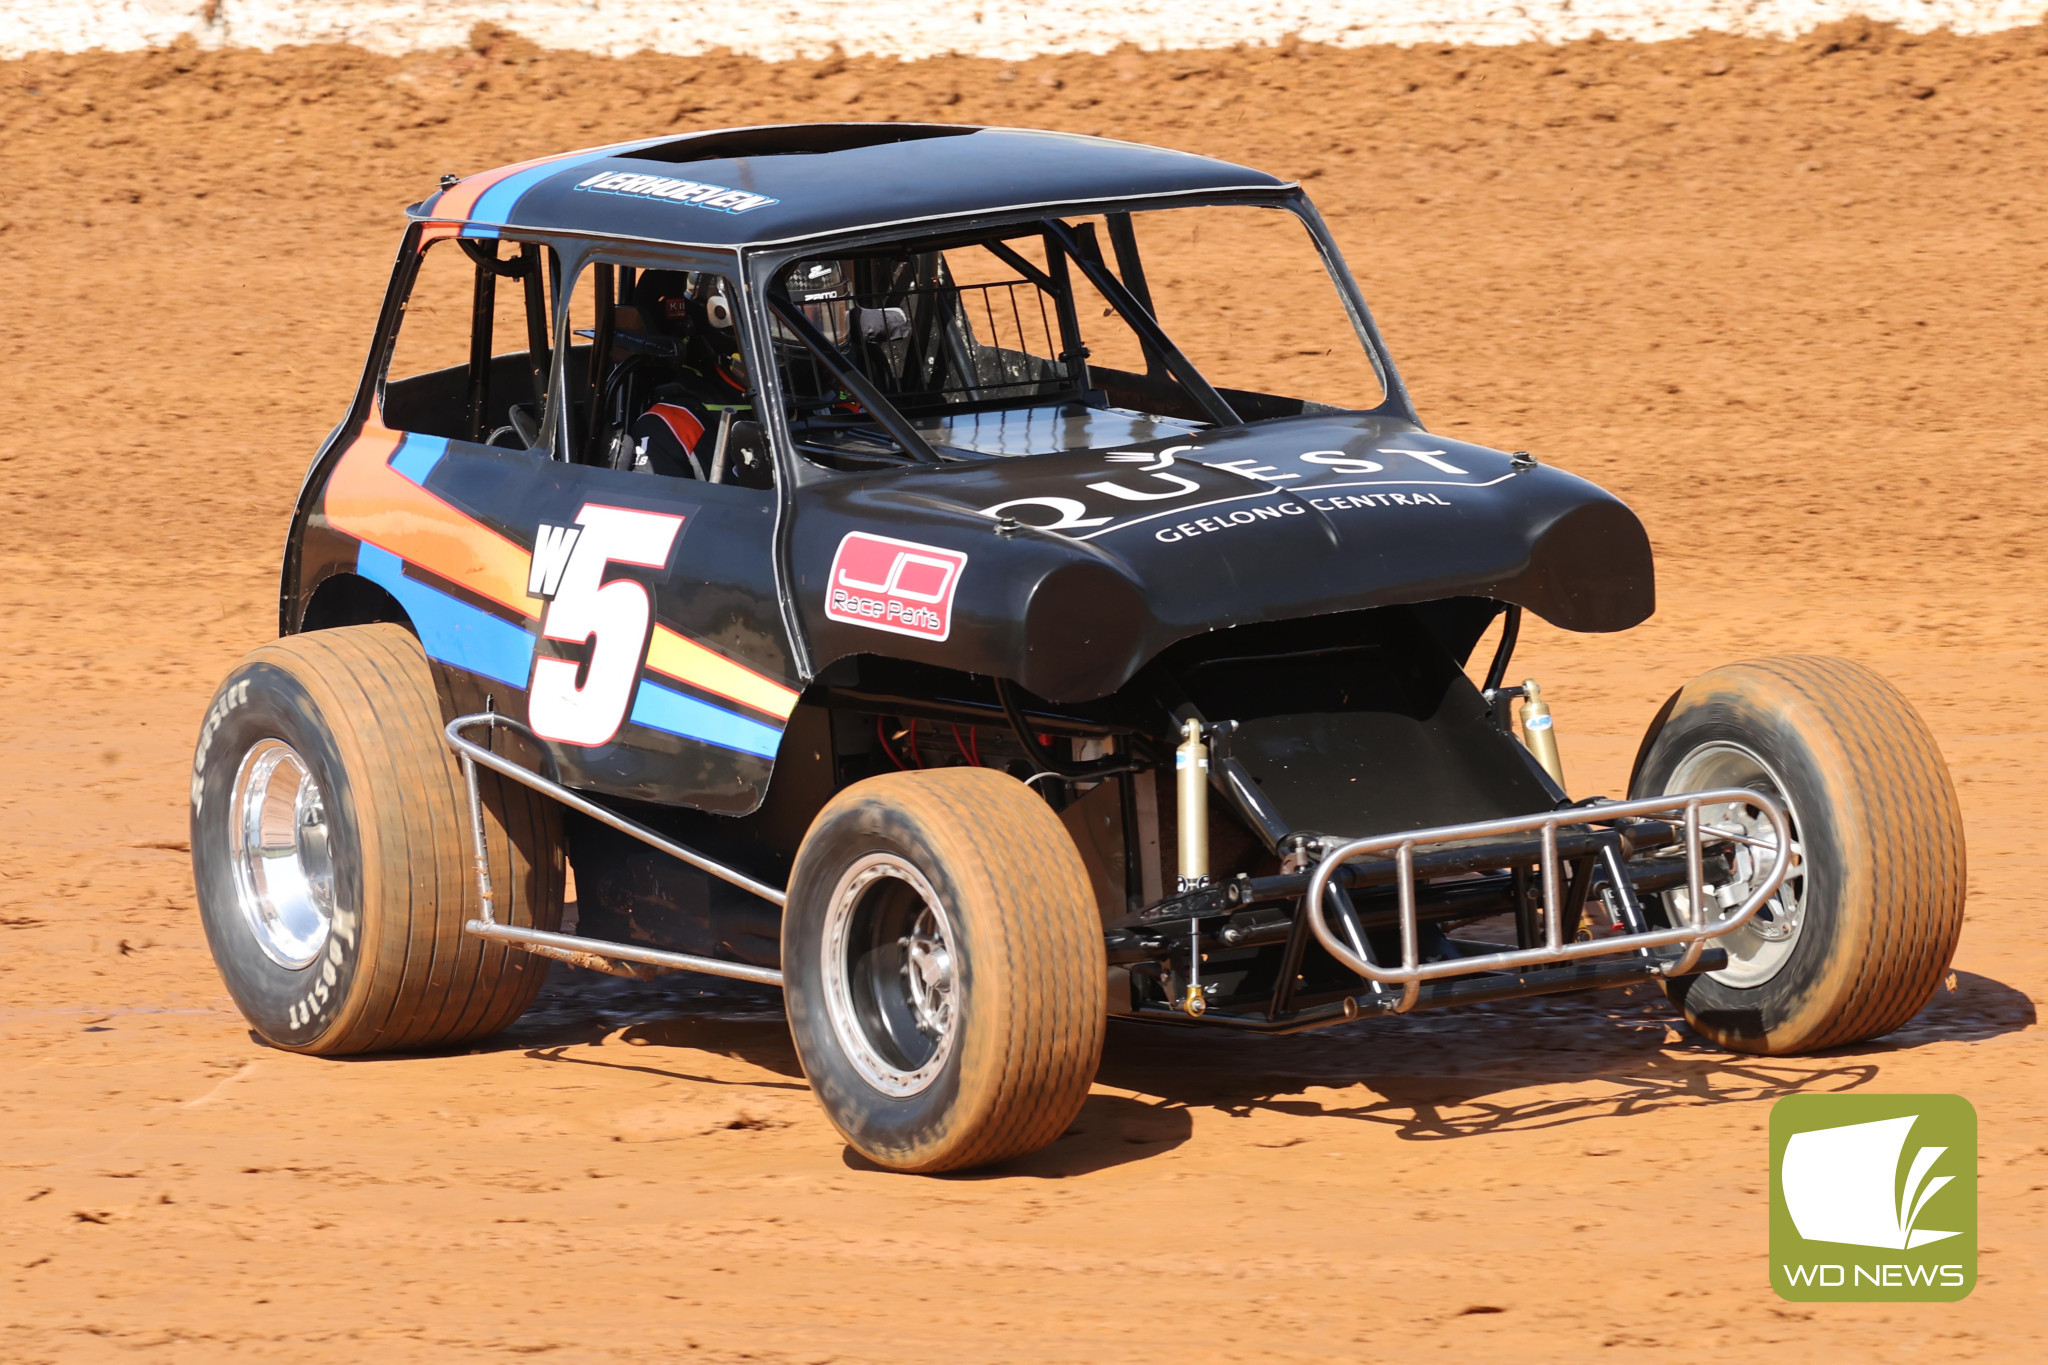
point(332, 854)
point(1865, 927)
point(944, 969)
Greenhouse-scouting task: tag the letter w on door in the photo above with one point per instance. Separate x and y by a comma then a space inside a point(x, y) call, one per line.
point(551, 547)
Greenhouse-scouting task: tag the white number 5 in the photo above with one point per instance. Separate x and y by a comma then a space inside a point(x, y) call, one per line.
point(612, 617)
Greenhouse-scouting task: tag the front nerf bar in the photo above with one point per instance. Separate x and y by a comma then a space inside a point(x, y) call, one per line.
point(1694, 935)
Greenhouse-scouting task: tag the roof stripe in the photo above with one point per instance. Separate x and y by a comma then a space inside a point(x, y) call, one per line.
point(495, 204)
point(491, 196)
point(458, 200)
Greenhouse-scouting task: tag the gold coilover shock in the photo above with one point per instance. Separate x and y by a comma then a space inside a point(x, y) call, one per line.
point(1539, 733)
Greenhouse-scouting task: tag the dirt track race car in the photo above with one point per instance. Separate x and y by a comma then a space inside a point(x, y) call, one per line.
point(868, 559)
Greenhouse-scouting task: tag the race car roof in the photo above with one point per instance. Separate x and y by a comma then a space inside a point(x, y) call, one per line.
point(756, 186)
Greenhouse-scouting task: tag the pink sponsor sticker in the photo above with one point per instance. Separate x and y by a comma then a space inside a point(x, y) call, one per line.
point(894, 585)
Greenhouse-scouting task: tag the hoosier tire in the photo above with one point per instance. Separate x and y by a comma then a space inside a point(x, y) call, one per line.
point(332, 855)
point(1865, 927)
point(944, 969)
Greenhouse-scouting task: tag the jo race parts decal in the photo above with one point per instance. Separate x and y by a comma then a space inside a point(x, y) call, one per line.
point(894, 585)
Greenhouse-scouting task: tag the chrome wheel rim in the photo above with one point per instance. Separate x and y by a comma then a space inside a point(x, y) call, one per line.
point(1763, 945)
point(284, 864)
point(891, 985)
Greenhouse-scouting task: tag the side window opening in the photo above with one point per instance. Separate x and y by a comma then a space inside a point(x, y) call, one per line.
point(471, 358)
point(657, 377)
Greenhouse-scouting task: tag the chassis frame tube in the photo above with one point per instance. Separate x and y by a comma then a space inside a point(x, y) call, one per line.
point(1556, 980)
point(572, 948)
point(1692, 936)
point(567, 947)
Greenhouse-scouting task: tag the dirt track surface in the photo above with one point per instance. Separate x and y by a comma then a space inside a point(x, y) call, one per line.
point(1784, 298)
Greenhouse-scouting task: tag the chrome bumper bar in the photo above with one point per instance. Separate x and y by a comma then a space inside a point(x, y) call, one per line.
point(1693, 936)
point(595, 953)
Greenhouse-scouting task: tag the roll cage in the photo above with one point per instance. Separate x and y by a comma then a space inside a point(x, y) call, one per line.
point(1171, 384)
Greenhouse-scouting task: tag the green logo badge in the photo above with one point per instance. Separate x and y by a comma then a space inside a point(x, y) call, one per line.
point(1873, 1198)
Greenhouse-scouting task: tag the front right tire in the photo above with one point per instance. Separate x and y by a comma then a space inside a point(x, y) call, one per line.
point(943, 969)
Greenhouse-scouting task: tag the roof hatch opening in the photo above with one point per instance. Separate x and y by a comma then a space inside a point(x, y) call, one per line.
point(794, 139)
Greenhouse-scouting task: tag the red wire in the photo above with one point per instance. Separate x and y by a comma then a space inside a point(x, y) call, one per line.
point(882, 738)
point(913, 745)
point(970, 748)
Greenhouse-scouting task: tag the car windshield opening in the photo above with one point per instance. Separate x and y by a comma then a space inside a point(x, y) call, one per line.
point(1072, 334)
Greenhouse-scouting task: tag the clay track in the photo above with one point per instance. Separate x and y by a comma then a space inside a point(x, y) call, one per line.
point(1785, 298)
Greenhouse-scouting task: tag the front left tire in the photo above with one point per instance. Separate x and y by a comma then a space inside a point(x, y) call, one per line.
point(332, 856)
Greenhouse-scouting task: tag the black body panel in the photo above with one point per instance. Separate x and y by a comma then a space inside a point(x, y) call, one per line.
point(1293, 518)
point(633, 893)
point(718, 588)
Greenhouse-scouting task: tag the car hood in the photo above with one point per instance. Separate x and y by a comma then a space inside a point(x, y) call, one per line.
point(1074, 569)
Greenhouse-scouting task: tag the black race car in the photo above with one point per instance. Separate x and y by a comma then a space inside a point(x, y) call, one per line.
point(871, 558)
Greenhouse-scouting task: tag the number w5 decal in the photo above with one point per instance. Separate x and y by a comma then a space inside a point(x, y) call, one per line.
point(612, 618)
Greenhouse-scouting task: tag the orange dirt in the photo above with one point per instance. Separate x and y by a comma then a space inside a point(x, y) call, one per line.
point(1786, 298)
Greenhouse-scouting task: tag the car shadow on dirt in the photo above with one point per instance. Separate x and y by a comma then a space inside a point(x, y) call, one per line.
point(660, 1027)
point(1111, 1130)
point(657, 1027)
point(1517, 1066)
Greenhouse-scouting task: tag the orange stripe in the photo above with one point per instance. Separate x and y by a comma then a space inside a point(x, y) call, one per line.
point(368, 499)
point(687, 661)
point(459, 200)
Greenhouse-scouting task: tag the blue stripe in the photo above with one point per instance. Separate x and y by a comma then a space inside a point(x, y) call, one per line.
point(661, 709)
point(497, 202)
point(451, 630)
point(495, 205)
point(416, 456)
point(488, 233)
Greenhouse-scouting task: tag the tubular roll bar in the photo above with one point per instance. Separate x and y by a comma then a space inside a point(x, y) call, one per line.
point(1694, 935)
point(599, 954)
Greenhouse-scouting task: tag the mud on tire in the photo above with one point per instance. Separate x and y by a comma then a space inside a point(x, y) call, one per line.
point(331, 852)
point(1868, 922)
point(944, 969)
